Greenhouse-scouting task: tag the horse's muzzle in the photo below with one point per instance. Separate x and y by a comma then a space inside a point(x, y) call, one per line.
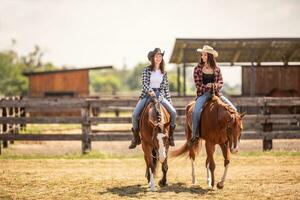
point(234, 150)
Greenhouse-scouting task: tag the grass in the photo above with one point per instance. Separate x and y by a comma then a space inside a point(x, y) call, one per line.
point(69, 156)
point(50, 128)
point(106, 155)
point(270, 153)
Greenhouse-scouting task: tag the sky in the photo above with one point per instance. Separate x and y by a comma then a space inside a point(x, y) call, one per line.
point(78, 33)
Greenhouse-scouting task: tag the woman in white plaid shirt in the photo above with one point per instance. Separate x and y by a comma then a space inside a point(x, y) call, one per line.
point(154, 84)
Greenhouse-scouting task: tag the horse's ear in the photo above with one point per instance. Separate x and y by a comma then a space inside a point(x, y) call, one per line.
point(242, 115)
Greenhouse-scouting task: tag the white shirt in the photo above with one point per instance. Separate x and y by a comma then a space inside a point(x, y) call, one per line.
point(156, 78)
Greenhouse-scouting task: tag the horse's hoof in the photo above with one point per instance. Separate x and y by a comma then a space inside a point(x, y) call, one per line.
point(220, 185)
point(162, 183)
point(213, 188)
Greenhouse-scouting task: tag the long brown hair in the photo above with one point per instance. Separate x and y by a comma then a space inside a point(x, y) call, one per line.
point(161, 65)
point(210, 60)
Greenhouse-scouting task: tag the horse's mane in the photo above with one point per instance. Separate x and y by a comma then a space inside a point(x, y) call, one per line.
point(214, 97)
point(157, 108)
point(226, 106)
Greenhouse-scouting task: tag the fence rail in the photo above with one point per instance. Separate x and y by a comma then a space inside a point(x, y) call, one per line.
point(258, 126)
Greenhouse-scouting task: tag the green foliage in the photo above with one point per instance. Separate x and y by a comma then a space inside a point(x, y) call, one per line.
point(117, 80)
point(231, 90)
point(12, 82)
point(105, 81)
point(172, 77)
point(134, 79)
point(12, 66)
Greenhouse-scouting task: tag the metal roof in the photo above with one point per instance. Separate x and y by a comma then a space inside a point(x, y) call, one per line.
point(66, 70)
point(239, 49)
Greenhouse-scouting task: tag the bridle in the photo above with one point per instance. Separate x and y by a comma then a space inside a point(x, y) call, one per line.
point(158, 126)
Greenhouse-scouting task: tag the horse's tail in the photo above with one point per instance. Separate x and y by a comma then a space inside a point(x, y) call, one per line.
point(185, 149)
point(195, 149)
point(180, 151)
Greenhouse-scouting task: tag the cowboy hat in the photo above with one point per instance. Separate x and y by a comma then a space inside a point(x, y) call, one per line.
point(155, 51)
point(208, 49)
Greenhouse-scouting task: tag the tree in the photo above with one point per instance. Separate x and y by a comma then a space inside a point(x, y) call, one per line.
point(12, 82)
point(134, 79)
point(12, 67)
point(105, 81)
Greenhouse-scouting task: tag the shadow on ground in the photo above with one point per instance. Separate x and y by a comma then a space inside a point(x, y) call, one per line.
point(137, 190)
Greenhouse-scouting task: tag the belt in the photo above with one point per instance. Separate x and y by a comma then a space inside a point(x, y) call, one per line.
point(156, 89)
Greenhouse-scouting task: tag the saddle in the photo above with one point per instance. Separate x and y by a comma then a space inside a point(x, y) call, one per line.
point(158, 114)
point(190, 109)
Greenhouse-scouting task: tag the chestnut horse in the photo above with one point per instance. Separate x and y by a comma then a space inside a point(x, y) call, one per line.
point(154, 128)
point(220, 124)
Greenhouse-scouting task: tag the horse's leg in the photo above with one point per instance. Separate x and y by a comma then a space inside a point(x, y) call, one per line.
point(192, 155)
point(210, 164)
point(226, 153)
point(193, 172)
point(164, 167)
point(149, 165)
point(151, 182)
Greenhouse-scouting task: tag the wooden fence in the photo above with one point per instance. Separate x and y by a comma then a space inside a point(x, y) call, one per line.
point(260, 125)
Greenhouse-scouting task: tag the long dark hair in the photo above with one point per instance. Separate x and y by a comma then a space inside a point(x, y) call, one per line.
point(161, 65)
point(210, 60)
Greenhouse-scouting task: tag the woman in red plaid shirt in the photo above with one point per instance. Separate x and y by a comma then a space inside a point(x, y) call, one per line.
point(206, 73)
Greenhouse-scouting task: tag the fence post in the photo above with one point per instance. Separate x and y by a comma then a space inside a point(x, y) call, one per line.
point(17, 114)
point(4, 127)
point(86, 128)
point(22, 111)
point(11, 113)
point(1, 129)
point(267, 127)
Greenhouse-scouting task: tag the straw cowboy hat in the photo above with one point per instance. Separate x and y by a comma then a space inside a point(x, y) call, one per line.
point(208, 49)
point(155, 51)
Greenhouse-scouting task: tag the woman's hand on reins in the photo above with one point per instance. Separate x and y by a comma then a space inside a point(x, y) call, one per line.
point(152, 94)
point(209, 85)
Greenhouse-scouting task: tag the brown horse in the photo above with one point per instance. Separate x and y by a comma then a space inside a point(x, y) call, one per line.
point(154, 128)
point(220, 124)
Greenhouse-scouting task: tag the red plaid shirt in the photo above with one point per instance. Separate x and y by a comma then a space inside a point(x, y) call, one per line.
point(198, 79)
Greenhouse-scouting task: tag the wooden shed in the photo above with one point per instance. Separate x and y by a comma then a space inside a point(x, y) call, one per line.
point(270, 66)
point(271, 81)
point(67, 83)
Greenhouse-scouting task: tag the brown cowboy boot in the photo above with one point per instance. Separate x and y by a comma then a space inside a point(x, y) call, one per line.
point(136, 140)
point(194, 139)
point(171, 135)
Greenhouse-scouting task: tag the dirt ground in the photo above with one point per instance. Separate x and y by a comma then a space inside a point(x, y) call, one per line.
point(56, 170)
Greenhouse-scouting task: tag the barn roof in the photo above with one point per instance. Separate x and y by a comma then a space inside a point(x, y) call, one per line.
point(67, 70)
point(239, 49)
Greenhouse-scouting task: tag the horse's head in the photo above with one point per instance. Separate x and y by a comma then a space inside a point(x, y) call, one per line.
point(161, 143)
point(234, 129)
point(160, 137)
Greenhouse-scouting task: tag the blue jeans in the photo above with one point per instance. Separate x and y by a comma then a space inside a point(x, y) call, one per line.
point(196, 116)
point(141, 104)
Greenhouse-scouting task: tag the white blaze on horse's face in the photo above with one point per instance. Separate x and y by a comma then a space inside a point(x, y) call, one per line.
point(235, 134)
point(162, 147)
point(234, 148)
